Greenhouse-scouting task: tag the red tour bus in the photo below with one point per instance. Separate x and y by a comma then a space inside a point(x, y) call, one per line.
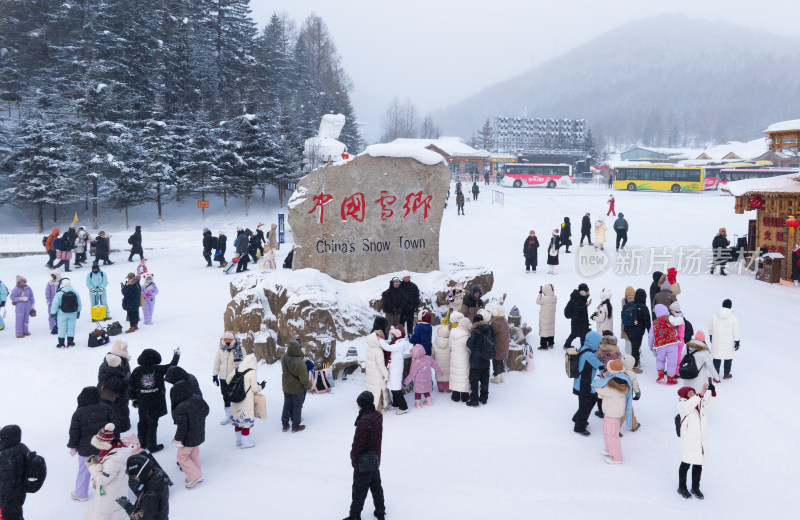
point(550, 175)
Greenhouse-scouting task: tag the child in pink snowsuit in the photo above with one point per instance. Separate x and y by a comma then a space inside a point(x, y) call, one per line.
point(615, 390)
point(149, 291)
point(676, 318)
point(664, 343)
point(420, 373)
point(22, 299)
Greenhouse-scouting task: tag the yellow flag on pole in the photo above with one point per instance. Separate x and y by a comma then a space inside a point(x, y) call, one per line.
point(74, 220)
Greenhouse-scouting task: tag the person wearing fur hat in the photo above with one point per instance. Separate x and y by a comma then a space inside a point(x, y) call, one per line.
point(615, 391)
point(148, 393)
point(102, 248)
point(189, 412)
point(582, 386)
point(459, 359)
point(586, 229)
point(530, 250)
point(502, 339)
point(423, 332)
point(90, 416)
point(724, 325)
point(397, 347)
point(108, 475)
point(149, 292)
point(96, 282)
point(621, 229)
point(600, 233)
point(565, 235)
point(150, 485)
point(219, 252)
point(441, 354)
point(243, 414)
point(547, 300)
point(113, 382)
point(229, 355)
point(604, 315)
point(692, 409)
point(472, 302)
point(481, 352)
point(131, 298)
point(22, 299)
point(698, 349)
point(368, 437)
point(455, 298)
point(552, 253)
point(664, 341)
point(135, 241)
point(392, 302)
point(377, 376)
point(420, 374)
point(50, 293)
point(721, 253)
point(577, 311)
point(13, 459)
point(295, 384)
point(410, 293)
point(628, 363)
point(3, 298)
point(66, 309)
point(209, 241)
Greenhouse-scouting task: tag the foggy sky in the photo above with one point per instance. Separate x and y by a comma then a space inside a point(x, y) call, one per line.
point(437, 52)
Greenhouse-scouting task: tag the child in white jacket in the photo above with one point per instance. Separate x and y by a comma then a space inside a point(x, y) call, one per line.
point(398, 346)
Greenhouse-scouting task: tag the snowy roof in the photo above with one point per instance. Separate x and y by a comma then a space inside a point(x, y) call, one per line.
point(781, 184)
point(784, 126)
point(452, 146)
point(414, 151)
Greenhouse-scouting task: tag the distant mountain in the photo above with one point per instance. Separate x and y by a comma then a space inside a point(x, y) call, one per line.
point(663, 81)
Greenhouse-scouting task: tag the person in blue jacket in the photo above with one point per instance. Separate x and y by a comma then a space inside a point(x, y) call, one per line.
point(582, 387)
point(97, 281)
point(3, 298)
point(423, 332)
point(66, 309)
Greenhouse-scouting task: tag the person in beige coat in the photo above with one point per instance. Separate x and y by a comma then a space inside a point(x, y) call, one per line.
point(377, 378)
point(600, 233)
point(441, 354)
point(459, 361)
point(502, 340)
point(229, 355)
point(547, 301)
point(243, 413)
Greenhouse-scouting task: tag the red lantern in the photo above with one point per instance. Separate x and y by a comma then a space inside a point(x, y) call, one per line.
point(756, 202)
point(792, 222)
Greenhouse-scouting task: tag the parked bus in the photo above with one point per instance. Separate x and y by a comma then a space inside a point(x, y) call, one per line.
point(658, 177)
point(550, 175)
point(722, 176)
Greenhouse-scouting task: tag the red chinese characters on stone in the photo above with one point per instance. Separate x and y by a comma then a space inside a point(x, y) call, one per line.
point(354, 206)
point(385, 201)
point(414, 202)
point(319, 202)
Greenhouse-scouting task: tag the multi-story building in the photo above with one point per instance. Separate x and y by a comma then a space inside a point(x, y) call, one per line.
point(521, 135)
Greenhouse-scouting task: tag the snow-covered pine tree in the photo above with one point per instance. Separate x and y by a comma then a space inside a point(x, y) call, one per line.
point(234, 34)
point(484, 139)
point(155, 163)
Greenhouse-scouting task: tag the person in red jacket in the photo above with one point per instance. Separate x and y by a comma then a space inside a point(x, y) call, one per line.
point(611, 206)
point(368, 436)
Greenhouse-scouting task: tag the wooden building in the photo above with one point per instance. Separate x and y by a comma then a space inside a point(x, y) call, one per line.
point(774, 200)
point(784, 136)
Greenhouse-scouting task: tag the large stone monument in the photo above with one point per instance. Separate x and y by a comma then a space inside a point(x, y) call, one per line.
point(375, 214)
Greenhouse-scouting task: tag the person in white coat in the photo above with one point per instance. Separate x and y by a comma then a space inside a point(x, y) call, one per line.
point(109, 479)
point(547, 316)
point(603, 315)
point(398, 346)
point(229, 356)
point(723, 331)
point(702, 358)
point(441, 354)
point(692, 408)
point(377, 376)
point(600, 233)
point(243, 415)
point(459, 361)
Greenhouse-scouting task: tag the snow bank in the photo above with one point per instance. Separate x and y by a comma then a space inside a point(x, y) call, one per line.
point(784, 126)
point(399, 150)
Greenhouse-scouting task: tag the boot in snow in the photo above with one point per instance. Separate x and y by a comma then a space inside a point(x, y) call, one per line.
point(60, 342)
point(447, 386)
point(671, 380)
point(227, 419)
point(416, 404)
point(495, 379)
point(473, 404)
point(696, 492)
point(428, 401)
point(238, 439)
point(661, 375)
point(70, 342)
point(246, 442)
point(682, 491)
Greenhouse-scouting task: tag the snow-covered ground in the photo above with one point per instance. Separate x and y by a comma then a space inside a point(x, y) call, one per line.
point(515, 458)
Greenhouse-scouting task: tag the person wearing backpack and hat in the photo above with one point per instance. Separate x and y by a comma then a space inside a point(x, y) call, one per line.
point(22, 299)
point(724, 325)
point(582, 386)
point(13, 462)
point(209, 241)
point(108, 475)
point(243, 415)
point(423, 332)
point(148, 393)
point(149, 292)
point(703, 363)
point(66, 309)
point(368, 437)
point(189, 412)
point(131, 301)
point(615, 391)
point(96, 282)
point(150, 485)
point(229, 356)
point(295, 384)
point(90, 416)
point(481, 352)
point(49, 294)
point(113, 379)
point(547, 316)
point(693, 426)
point(135, 241)
point(50, 247)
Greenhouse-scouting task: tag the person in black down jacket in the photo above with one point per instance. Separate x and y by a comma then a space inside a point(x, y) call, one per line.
point(131, 298)
point(90, 417)
point(392, 302)
point(189, 412)
point(586, 229)
point(150, 485)
point(481, 353)
point(112, 381)
point(219, 253)
point(566, 234)
point(135, 240)
point(208, 245)
point(149, 395)
point(577, 312)
point(530, 250)
point(472, 302)
point(102, 249)
point(410, 300)
point(721, 252)
point(257, 242)
point(637, 331)
point(368, 437)
point(242, 244)
point(175, 375)
point(13, 455)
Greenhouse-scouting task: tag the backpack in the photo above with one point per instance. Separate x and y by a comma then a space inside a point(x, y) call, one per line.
point(44, 241)
point(237, 241)
point(35, 472)
point(69, 302)
point(629, 314)
point(57, 243)
point(688, 367)
point(97, 338)
point(679, 423)
point(568, 311)
point(213, 242)
point(320, 384)
point(571, 359)
point(236, 392)
point(688, 331)
point(130, 240)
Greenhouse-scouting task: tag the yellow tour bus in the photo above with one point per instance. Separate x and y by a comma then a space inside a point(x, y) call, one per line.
point(658, 177)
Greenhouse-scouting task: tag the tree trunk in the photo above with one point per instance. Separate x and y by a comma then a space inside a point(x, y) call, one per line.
point(225, 201)
point(263, 194)
point(40, 216)
point(280, 193)
point(94, 202)
point(203, 210)
point(158, 202)
point(55, 217)
point(126, 218)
